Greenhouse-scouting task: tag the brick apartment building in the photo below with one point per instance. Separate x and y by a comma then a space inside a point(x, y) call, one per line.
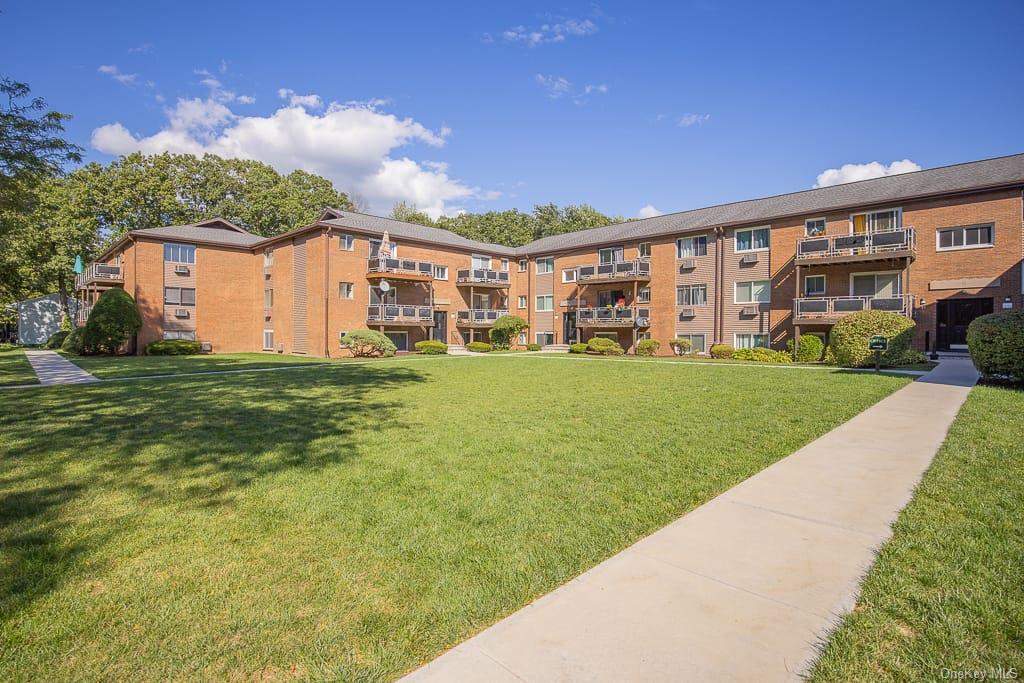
point(943, 246)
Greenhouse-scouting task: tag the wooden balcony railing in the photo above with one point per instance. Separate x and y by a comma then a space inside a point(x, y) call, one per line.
point(627, 316)
point(638, 269)
point(826, 308)
point(860, 246)
point(400, 313)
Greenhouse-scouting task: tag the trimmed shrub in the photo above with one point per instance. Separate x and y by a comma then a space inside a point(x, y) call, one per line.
point(479, 347)
point(811, 348)
point(505, 329)
point(603, 346)
point(647, 347)
point(533, 347)
point(578, 348)
point(681, 346)
point(996, 343)
point(113, 321)
point(850, 336)
point(432, 347)
point(172, 347)
point(762, 355)
point(368, 343)
point(74, 343)
point(56, 339)
point(722, 351)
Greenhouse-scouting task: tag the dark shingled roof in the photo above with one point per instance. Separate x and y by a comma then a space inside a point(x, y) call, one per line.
point(413, 231)
point(204, 231)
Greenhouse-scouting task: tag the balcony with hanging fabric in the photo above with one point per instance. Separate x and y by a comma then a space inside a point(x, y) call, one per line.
point(399, 269)
point(625, 316)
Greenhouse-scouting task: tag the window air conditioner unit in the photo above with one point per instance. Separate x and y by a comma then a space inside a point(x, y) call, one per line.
point(181, 270)
point(687, 264)
point(750, 310)
point(206, 347)
point(749, 258)
point(180, 312)
point(687, 313)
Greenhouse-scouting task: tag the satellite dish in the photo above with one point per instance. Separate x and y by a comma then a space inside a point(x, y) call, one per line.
point(384, 285)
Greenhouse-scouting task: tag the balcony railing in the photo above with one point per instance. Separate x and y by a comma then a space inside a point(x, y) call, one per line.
point(482, 277)
point(627, 316)
point(899, 242)
point(394, 266)
point(834, 307)
point(608, 272)
point(478, 317)
point(99, 272)
point(82, 314)
point(400, 313)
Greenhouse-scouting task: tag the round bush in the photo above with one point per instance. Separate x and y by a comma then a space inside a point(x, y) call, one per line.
point(722, 351)
point(996, 343)
point(432, 347)
point(172, 347)
point(533, 347)
point(604, 347)
point(113, 321)
point(479, 347)
point(681, 346)
point(505, 329)
point(368, 343)
point(811, 348)
point(578, 348)
point(56, 339)
point(74, 342)
point(850, 336)
point(762, 355)
point(647, 347)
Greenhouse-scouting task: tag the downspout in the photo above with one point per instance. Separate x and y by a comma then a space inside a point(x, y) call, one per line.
point(327, 295)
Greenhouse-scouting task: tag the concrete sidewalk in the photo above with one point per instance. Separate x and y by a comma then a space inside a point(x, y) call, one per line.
point(52, 368)
point(743, 587)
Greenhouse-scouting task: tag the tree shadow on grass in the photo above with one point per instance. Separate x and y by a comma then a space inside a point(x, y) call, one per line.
point(188, 443)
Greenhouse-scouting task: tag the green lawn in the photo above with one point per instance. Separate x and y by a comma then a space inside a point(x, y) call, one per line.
point(106, 367)
point(350, 522)
point(947, 591)
point(15, 369)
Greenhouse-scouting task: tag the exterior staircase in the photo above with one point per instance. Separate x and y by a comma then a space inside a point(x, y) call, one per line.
point(458, 350)
point(556, 348)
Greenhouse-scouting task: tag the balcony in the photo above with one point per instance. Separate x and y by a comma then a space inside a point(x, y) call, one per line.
point(829, 309)
point(99, 274)
point(625, 271)
point(629, 316)
point(870, 246)
point(399, 269)
point(82, 314)
point(480, 277)
point(478, 317)
point(400, 314)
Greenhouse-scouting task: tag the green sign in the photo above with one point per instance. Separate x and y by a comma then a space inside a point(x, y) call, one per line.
point(878, 343)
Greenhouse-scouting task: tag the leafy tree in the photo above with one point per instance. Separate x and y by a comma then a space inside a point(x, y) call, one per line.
point(505, 329)
point(114, 320)
point(408, 213)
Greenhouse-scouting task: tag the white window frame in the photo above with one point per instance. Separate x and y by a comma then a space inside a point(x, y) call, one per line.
point(537, 300)
point(569, 275)
point(268, 292)
point(267, 347)
point(753, 345)
point(736, 239)
point(268, 258)
point(351, 290)
point(380, 243)
point(736, 287)
point(807, 224)
point(691, 335)
point(693, 242)
point(523, 301)
point(524, 265)
point(179, 246)
point(481, 257)
point(504, 265)
point(964, 228)
point(690, 288)
point(620, 250)
point(440, 272)
point(188, 335)
point(538, 335)
point(549, 260)
point(643, 295)
point(867, 227)
point(640, 250)
point(824, 285)
point(346, 242)
point(180, 301)
point(897, 273)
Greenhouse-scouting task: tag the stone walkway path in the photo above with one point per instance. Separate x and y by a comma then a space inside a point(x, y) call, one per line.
point(743, 587)
point(52, 368)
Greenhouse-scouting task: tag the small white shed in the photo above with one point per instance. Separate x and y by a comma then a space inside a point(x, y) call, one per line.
point(39, 317)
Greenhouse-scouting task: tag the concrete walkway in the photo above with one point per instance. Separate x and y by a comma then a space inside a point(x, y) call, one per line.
point(52, 368)
point(743, 587)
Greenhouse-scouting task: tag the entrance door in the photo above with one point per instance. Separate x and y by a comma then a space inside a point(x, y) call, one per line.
point(440, 331)
point(399, 339)
point(953, 316)
point(569, 327)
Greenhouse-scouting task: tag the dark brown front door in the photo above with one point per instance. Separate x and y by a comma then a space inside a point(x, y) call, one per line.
point(954, 315)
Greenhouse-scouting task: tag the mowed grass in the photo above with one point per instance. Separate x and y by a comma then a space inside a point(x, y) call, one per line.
point(15, 369)
point(107, 367)
point(947, 591)
point(351, 522)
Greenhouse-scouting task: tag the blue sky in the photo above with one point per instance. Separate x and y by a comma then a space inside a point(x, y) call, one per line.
point(477, 105)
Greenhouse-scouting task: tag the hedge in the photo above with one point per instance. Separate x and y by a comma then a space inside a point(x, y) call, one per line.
point(604, 347)
point(647, 347)
point(172, 347)
point(578, 348)
point(505, 329)
point(74, 342)
point(681, 345)
point(811, 348)
point(722, 351)
point(479, 347)
point(533, 347)
point(432, 347)
point(762, 355)
point(113, 321)
point(851, 333)
point(368, 343)
point(56, 339)
point(996, 343)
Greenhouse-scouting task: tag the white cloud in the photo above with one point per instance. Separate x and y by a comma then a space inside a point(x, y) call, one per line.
point(687, 120)
point(602, 88)
point(246, 99)
point(115, 73)
point(558, 86)
point(648, 211)
point(352, 145)
point(849, 173)
point(296, 100)
point(141, 49)
point(553, 32)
